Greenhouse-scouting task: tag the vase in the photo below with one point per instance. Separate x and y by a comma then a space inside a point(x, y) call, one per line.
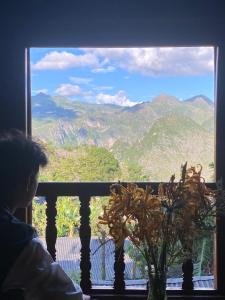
point(157, 286)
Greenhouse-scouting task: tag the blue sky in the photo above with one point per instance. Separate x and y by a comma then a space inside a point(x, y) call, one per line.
point(123, 76)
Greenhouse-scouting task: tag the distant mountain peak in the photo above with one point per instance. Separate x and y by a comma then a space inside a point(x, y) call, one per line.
point(200, 98)
point(164, 98)
point(41, 94)
point(43, 106)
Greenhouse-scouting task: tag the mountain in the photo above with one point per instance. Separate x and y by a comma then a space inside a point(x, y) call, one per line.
point(44, 107)
point(155, 136)
point(200, 100)
point(171, 141)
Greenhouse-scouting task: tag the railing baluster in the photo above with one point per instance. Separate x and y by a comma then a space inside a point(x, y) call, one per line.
point(119, 267)
point(187, 269)
point(85, 237)
point(51, 230)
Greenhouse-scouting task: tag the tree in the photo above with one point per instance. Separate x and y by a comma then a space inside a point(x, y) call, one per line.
point(84, 163)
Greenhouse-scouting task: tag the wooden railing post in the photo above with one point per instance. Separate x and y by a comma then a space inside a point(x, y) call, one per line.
point(187, 284)
point(119, 267)
point(51, 230)
point(85, 237)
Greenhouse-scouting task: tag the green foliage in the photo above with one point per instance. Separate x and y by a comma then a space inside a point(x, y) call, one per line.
point(97, 164)
point(84, 163)
point(136, 173)
point(203, 255)
point(68, 217)
point(96, 210)
point(138, 261)
point(39, 216)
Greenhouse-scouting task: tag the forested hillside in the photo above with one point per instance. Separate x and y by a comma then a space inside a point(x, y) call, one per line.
point(102, 142)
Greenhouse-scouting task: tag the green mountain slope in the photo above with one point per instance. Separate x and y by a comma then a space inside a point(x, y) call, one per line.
point(171, 141)
point(150, 139)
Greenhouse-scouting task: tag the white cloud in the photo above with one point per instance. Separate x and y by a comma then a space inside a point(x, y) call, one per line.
point(57, 60)
point(168, 61)
point(118, 99)
point(81, 80)
point(67, 90)
point(70, 90)
point(104, 70)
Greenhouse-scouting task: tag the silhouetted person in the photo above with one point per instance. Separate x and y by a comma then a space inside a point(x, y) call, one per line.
point(24, 263)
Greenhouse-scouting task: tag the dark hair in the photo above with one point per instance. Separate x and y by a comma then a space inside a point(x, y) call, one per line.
point(20, 157)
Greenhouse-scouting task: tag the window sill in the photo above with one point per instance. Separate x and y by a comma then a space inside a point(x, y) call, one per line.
point(170, 297)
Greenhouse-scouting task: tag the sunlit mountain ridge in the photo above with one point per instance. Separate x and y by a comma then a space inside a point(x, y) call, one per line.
point(154, 137)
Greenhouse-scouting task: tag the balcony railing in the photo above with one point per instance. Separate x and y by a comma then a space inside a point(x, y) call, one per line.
point(85, 191)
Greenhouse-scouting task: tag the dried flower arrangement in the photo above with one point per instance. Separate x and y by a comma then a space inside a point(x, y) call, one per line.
point(163, 225)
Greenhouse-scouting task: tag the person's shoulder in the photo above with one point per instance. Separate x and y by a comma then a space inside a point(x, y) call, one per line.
point(37, 245)
point(38, 255)
point(13, 232)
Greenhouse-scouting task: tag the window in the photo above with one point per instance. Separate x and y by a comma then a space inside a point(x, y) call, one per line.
point(130, 114)
point(124, 113)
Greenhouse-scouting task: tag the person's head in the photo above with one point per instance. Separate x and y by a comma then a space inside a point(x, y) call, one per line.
point(20, 160)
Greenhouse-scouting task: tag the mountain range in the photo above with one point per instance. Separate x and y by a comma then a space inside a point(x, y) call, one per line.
point(156, 136)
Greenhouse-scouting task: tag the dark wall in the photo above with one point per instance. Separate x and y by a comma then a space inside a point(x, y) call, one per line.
point(27, 23)
point(114, 22)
